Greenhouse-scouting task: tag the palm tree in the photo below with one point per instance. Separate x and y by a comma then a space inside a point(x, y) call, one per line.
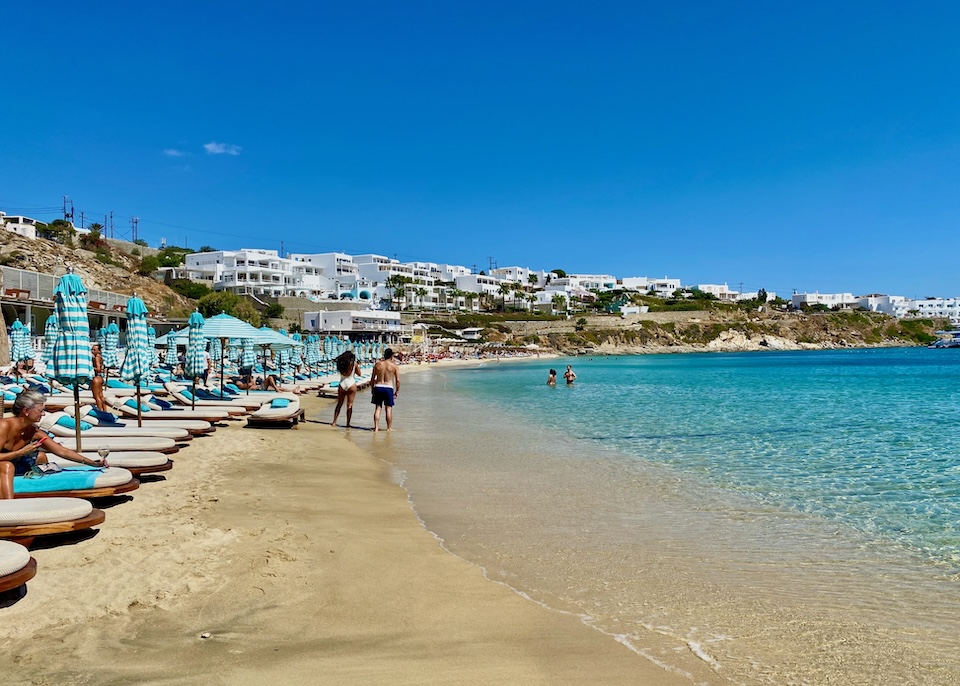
point(518, 293)
point(558, 301)
point(533, 279)
point(421, 293)
point(532, 299)
point(504, 289)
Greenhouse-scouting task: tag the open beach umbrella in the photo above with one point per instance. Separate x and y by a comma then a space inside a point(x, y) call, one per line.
point(50, 331)
point(111, 359)
point(72, 363)
point(194, 363)
point(227, 326)
point(138, 360)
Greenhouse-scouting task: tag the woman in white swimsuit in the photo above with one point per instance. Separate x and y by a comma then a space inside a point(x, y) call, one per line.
point(347, 391)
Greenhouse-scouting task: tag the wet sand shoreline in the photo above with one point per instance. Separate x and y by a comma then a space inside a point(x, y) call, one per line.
point(290, 554)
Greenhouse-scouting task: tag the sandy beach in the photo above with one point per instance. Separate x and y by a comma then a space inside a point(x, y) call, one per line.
point(289, 554)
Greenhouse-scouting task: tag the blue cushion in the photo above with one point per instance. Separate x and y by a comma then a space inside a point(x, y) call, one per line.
point(116, 383)
point(9, 397)
point(104, 416)
point(186, 394)
point(133, 403)
point(280, 402)
point(71, 423)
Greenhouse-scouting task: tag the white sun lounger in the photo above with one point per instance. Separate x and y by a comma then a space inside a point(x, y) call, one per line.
point(22, 520)
point(49, 424)
point(16, 565)
point(119, 443)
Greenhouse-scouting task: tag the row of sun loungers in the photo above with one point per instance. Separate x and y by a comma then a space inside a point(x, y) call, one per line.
point(141, 441)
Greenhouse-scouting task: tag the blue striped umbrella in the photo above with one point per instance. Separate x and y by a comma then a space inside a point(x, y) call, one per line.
point(111, 359)
point(72, 363)
point(216, 350)
point(138, 360)
point(296, 359)
point(152, 346)
point(248, 356)
point(19, 343)
point(195, 363)
point(50, 331)
point(171, 356)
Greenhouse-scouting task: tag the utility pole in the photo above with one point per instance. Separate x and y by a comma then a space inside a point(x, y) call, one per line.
point(133, 228)
point(281, 248)
point(81, 220)
point(111, 223)
point(67, 209)
point(493, 265)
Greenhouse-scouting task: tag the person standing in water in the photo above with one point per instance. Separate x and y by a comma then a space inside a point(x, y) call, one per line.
point(385, 387)
point(552, 378)
point(569, 375)
point(347, 390)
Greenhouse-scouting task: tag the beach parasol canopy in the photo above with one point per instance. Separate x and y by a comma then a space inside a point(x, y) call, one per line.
point(171, 356)
point(72, 363)
point(111, 359)
point(20, 348)
point(151, 346)
point(50, 331)
point(195, 363)
point(138, 360)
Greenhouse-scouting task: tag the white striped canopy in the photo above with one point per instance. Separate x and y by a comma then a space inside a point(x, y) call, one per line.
point(138, 360)
point(248, 357)
point(71, 352)
point(152, 346)
point(50, 331)
point(110, 351)
point(20, 348)
point(195, 363)
point(171, 357)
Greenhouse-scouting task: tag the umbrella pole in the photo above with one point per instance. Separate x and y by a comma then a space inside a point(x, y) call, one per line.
point(223, 349)
point(76, 414)
point(193, 398)
point(139, 407)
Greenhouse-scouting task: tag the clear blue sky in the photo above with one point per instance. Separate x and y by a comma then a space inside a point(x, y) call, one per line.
point(807, 145)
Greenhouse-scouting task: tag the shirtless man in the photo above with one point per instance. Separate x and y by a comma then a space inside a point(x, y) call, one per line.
point(23, 443)
point(385, 387)
point(570, 376)
point(96, 383)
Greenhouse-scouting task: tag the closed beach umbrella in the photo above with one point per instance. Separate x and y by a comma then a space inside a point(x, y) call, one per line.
point(216, 350)
point(171, 356)
point(50, 331)
point(151, 346)
point(138, 360)
point(19, 343)
point(194, 362)
point(248, 356)
point(111, 358)
point(296, 358)
point(72, 363)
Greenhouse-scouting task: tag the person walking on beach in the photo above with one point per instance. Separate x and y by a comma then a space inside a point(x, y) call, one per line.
point(569, 375)
point(96, 383)
point(385, 387)
point(347, 390)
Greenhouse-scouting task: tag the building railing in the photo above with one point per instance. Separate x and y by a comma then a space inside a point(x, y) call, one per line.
point(34, 286)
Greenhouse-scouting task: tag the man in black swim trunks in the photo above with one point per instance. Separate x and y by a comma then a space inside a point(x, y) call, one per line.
point(385, 387)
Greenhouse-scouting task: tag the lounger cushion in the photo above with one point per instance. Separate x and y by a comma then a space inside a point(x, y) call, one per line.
point(71, 423)
point(42, 510)
point(280, 402)
point(73, 478)
point(13, 557)
point(133, 404)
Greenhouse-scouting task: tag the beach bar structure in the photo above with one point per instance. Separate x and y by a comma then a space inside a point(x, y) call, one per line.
point(383, 325)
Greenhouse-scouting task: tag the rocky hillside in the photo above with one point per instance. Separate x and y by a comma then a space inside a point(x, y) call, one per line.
point(717, 331)
point(111, 268)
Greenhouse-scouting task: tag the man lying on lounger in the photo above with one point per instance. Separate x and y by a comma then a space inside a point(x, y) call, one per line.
point(21, 440)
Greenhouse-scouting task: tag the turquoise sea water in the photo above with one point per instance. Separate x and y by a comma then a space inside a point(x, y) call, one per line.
point(739, 518)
